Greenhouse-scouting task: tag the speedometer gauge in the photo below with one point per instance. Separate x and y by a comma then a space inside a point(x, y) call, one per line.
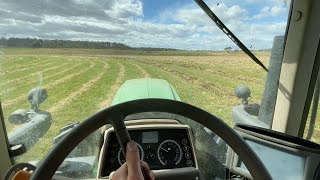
point(122, 159)
point(169, 153)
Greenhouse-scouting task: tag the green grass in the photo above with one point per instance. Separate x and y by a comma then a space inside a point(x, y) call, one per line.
point(90, 52)
point(204, 79)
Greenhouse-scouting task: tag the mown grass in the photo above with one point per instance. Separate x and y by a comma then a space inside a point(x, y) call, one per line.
point(204, 79)
point(83, 106)
point(27, 82)
point(95, 52)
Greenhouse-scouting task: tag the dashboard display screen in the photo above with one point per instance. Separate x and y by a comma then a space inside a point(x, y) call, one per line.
point(281, 164)
point(150, 137)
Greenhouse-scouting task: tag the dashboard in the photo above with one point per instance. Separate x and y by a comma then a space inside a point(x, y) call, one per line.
point(162, 147)
point(285, 156)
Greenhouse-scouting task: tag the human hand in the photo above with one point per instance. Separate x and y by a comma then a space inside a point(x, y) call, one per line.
point(132, 169)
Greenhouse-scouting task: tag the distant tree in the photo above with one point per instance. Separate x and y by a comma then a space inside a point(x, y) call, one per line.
point(228, 49)
point(54, 43)
point(36, 44)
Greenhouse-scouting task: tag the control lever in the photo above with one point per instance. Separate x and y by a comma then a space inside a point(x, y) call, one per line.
point(123, 137)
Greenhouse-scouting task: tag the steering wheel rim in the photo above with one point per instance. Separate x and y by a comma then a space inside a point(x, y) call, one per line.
point(115, 115)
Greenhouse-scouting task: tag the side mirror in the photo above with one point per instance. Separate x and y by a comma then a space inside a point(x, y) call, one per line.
point(32, 123)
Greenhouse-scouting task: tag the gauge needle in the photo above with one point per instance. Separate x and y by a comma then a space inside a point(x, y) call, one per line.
point(164, 149)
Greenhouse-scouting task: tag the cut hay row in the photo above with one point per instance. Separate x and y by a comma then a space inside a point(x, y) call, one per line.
point(33, 63)
point(85, 87)
point(9, 60)
point(192, 93)
point(26, 77)
point(48, 86)
point(114, 87)
point(81, 106)
point(192, 79)
point(106, 66)
point(25, 69)
point(216, 69)
point(213, 77)
point(70, 76)
point(145, 74)
point(27, 72)
point(24, 81)
point(63, 71)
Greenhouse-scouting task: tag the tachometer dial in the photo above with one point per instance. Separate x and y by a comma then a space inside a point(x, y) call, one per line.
point(169, 153)
point(122, 159)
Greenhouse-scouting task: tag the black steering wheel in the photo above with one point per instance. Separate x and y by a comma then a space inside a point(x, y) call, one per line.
point(115, 115)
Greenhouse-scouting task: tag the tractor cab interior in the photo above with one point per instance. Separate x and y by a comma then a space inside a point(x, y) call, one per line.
point(273, 139)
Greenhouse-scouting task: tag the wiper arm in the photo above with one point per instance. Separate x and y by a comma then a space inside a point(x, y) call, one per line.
point(224, 28)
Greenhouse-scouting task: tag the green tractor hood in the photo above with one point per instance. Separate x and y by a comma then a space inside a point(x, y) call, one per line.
point(144, 88)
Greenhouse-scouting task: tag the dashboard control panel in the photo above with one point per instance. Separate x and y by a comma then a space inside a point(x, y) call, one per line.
point(160, 148)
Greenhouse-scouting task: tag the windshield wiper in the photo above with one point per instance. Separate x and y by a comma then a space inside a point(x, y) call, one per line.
point(224, 28)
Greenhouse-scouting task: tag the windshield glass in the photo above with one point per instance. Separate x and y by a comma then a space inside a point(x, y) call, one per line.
point(62, 61)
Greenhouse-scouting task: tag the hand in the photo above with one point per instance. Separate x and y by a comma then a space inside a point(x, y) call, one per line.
point(131, 170)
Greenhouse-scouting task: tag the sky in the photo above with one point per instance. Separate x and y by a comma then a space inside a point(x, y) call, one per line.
point(179, 24)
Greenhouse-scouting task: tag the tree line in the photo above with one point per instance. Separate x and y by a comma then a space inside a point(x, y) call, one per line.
point(48, 43)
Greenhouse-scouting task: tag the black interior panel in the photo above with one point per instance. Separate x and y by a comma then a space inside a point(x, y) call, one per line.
point(150, 147)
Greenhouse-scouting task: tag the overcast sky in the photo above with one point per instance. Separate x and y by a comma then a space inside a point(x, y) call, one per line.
point(152, 23)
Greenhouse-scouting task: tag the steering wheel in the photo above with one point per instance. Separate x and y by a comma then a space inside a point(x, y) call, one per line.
point(115, 115)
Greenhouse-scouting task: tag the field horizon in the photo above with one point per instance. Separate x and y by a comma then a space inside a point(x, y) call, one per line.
point(81, 82)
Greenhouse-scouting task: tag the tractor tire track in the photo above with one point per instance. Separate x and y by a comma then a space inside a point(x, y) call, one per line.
point(85, 87)
point(145, 74)
point(36, 80)
point(114, 87)
point(49, 86)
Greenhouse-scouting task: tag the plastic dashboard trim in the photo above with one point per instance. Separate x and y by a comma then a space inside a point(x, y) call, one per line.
point(311, 162)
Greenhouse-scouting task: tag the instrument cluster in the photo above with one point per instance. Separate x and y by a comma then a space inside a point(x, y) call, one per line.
point(160, 148)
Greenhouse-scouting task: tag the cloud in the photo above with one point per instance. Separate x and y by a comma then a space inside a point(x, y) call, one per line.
point(270, 12)
point(184, 27)
point(192, 14)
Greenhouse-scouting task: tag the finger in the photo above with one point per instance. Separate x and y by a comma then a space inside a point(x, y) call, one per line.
point(150, 175)
point(120, 174)
point(145, 166)
point(133, 161)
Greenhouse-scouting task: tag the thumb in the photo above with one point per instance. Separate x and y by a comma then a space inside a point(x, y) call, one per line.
point(133, 161)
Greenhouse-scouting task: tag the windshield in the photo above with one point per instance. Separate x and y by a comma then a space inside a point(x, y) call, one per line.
point(62, 61)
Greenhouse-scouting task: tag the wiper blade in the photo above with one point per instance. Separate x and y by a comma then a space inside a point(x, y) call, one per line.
point(224, 28)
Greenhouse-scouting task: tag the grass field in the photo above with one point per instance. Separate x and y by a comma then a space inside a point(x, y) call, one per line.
point(80, 82)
